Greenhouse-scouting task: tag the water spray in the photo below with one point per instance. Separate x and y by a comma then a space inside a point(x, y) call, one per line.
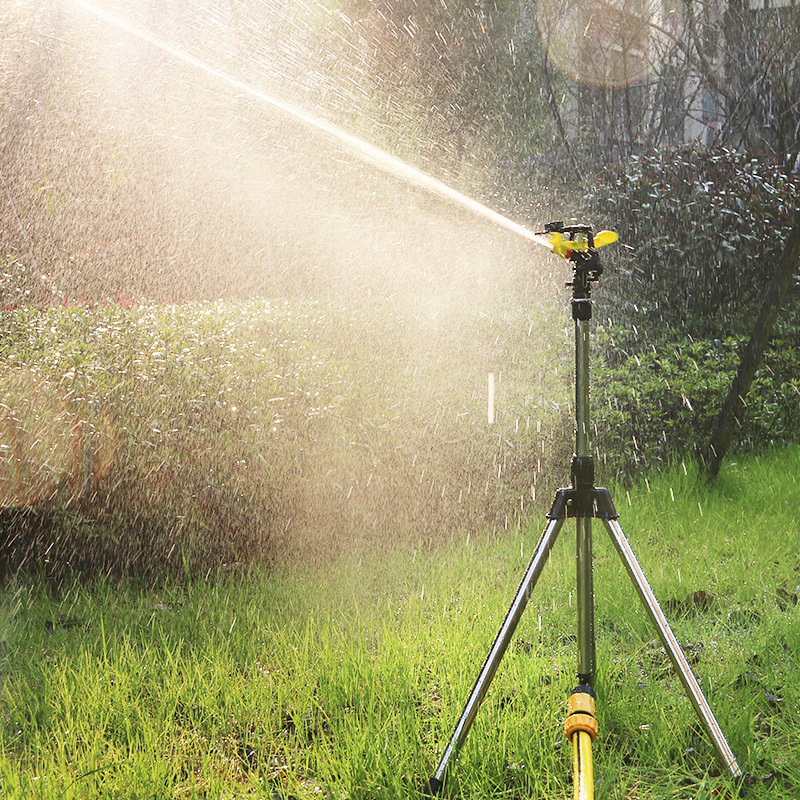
point(363, 149)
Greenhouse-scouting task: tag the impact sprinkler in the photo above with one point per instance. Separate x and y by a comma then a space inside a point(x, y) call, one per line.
point(582, 501)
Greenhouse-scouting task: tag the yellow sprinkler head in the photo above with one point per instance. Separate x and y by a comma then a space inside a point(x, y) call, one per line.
point(562, 246)
point(602, 238)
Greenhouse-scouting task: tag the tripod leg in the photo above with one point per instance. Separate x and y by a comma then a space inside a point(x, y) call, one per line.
point(674, 650)
point(501, 642)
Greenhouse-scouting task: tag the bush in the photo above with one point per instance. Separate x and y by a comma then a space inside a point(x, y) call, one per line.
point(702, 229)
point(656, 405)
point(166, 439)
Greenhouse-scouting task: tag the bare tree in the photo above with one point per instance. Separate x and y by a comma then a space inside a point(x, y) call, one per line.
point(746, 55)
point(641, 75)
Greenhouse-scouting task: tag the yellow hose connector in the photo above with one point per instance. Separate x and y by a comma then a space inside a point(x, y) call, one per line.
point(580, 728)
point(580, 715)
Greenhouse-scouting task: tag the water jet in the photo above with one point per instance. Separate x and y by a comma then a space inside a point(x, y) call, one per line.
point(369, 153)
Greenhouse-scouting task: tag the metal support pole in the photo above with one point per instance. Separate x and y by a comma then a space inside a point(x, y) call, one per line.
point(674, 650)
point(501, 642)
point(582, 435)
point(585, 602)
point(583, 478)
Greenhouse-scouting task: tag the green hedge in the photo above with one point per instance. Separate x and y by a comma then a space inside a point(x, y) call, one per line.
point(169, 439)
point(658, 404)
point(699, 229)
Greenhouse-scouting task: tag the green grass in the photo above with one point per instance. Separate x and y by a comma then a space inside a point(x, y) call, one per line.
point(345, 681)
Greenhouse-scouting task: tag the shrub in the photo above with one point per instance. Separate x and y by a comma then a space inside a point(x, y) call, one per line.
point(702, 229)
point(655, 405)
point(162, 439)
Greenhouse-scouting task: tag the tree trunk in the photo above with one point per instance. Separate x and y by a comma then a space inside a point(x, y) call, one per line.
point(722, 433)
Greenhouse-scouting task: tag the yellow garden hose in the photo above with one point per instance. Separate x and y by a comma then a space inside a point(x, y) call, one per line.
point(583, 775)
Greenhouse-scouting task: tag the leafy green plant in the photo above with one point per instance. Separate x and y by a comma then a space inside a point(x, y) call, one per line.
point(702, 229)
point(180, 438)
point(654, 405)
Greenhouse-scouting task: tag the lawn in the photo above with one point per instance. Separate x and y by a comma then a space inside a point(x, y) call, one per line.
point(344, 680)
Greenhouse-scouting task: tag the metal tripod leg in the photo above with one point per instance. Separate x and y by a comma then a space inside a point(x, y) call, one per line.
point(501, 642)
point(672, 647)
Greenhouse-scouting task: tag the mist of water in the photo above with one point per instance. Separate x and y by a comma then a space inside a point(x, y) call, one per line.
point(374, 155)
point(143, 159)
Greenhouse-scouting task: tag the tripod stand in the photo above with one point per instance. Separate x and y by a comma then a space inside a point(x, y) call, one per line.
point(582, 501)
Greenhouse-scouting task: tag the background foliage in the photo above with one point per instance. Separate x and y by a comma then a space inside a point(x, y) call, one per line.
point(156, 440)
point(708, 226)
point(654, 406)
point(129, 177)
point(703, 228)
